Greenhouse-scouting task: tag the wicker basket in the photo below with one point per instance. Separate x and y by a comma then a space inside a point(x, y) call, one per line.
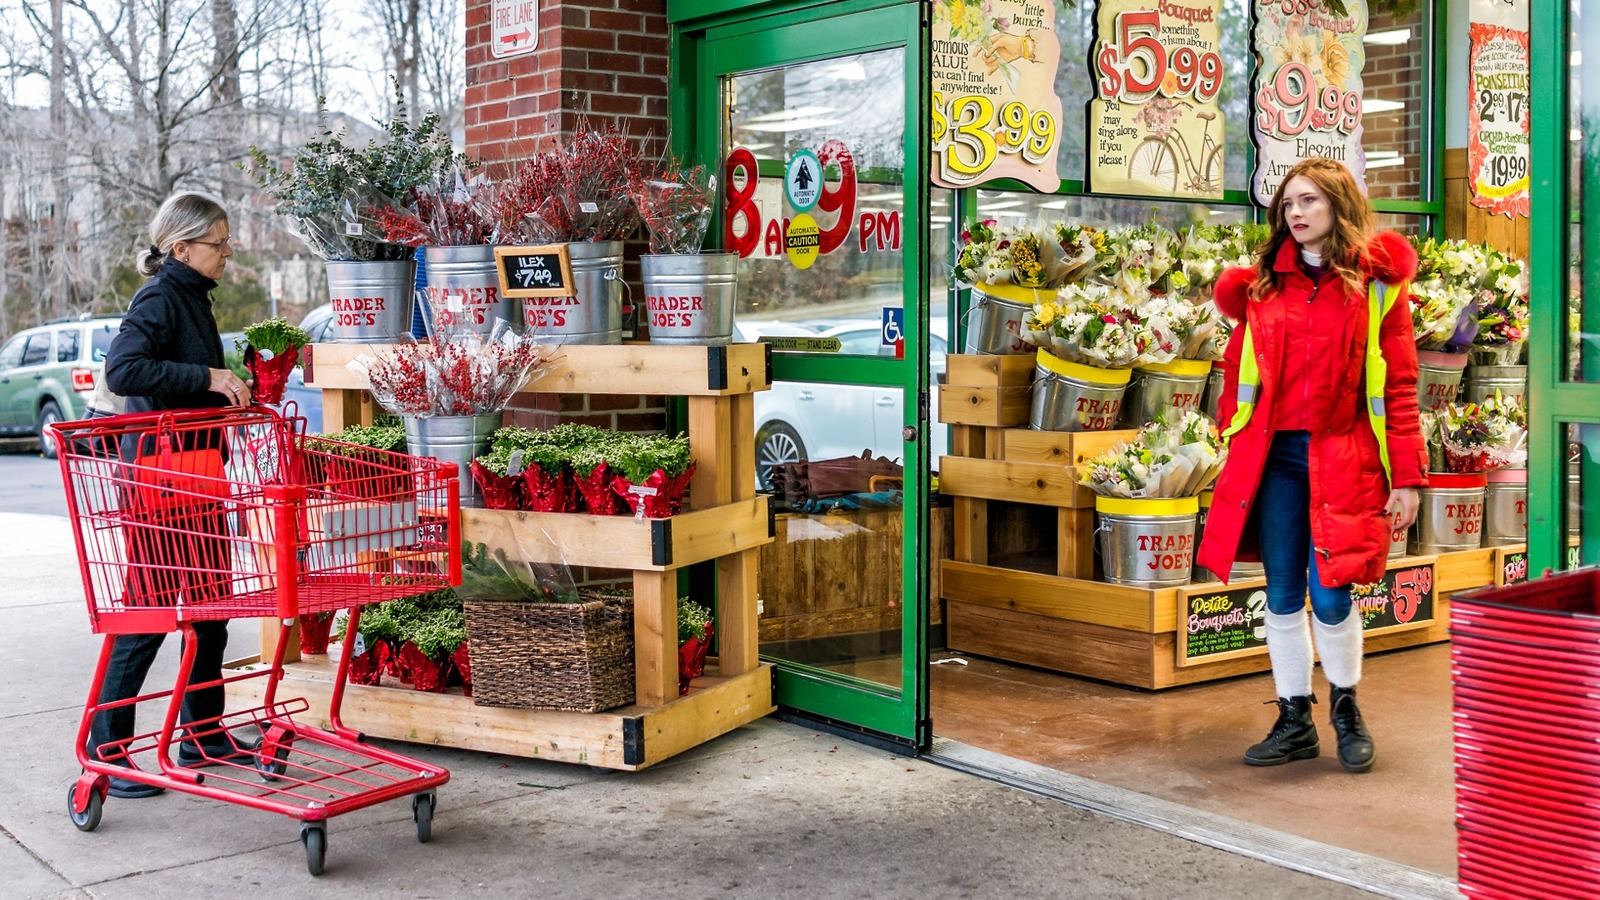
point(571, 656)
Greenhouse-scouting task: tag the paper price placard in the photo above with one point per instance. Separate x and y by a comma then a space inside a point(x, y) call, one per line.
point(1498, 123)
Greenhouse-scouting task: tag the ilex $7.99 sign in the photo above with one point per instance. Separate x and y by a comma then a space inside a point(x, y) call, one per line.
point(1155, 127)
point(995, 111)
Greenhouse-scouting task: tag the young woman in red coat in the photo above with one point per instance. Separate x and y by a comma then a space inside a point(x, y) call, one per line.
point(1304, 490)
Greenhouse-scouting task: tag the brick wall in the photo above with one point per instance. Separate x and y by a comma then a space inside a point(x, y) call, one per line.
point(601, 63)
point(1395, 72)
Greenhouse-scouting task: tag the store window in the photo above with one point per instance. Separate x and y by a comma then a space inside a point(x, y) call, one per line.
point(1583, 319)
point(1397, 104)
point(1107, 211)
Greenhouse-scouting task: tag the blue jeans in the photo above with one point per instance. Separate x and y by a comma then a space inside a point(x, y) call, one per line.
point(1283, 509)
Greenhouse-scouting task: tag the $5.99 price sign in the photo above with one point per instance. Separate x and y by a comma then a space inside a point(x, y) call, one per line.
point(1135, 64)
point(969, 134)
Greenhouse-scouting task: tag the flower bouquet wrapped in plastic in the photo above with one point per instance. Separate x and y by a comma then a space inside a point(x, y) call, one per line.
point(1139, 258)
point(1476, 437)
point(1177, 455)
point(998, 254)
point(458, 211)
point(454, 374)
point(675, 204)
point(1080, 246)
point(1502, 311)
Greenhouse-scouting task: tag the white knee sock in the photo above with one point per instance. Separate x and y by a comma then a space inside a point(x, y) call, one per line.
point(1340, 648)
point(1289, 646)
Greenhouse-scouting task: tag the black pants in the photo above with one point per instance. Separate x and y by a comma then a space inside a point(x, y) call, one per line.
point(131, 658)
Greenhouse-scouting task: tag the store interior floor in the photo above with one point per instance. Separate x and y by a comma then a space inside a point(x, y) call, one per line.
point(1186, 745)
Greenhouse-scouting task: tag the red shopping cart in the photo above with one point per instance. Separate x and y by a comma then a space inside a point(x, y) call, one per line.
point(184, 517)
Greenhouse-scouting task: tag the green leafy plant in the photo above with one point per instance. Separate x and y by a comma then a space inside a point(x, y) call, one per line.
point(692, 620)
point(492, 576)
point(637, 456)
point(276, 335)
point(384, 434)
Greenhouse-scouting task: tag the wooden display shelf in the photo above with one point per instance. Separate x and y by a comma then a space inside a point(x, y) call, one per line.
point(724, 523)
point(627, 738)
point(687, 371)
point(622, 542)
point(1045, 484)
point(1129, 635)
point(996, 407)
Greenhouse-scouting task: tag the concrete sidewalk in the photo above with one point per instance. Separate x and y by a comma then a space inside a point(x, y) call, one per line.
point(770, 810)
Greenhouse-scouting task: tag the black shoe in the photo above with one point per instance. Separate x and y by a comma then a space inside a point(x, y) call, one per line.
point(1355, 744)
point(218, 750)
point(1293, 736)
point(127, 789)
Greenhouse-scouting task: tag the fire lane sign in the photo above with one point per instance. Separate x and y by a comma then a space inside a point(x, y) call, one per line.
point(513, 27)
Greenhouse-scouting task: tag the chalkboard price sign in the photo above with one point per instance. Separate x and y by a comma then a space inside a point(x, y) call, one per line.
point(1514, 567)
point(1222, 622)
point(544, 271)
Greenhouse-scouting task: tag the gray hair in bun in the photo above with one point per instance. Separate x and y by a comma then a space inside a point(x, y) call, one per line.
point(185, 216)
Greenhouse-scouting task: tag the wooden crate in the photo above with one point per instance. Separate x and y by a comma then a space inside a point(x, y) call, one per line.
point(1059, 447)
point(985, 370)
point(622, 542)
point(994, 407)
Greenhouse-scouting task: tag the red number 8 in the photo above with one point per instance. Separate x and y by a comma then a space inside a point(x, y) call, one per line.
point(741, 203)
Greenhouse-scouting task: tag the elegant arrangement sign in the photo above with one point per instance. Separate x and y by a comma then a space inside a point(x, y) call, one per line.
point(995, 110)
point(1155, 124)
point(1498, 121)
point(1308, 88)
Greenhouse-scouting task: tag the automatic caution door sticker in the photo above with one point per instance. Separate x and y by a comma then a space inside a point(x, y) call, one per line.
point(802, 241)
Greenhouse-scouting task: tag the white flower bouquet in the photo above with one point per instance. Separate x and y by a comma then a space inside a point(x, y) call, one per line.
point(1167, 460)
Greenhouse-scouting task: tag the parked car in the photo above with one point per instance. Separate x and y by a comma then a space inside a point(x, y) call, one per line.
point(48, 373)
point(798, 420)
point(319, 324)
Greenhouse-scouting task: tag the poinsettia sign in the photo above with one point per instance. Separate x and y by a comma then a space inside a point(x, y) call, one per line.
point(995, 110)
point(1308, 89)
point(1155, 126)
point(1498, 121)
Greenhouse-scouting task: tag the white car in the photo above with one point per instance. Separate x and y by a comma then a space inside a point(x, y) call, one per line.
point(798, 420)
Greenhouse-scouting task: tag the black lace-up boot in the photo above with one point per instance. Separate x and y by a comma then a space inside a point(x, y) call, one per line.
point(1293, 736)
point(1355, 744)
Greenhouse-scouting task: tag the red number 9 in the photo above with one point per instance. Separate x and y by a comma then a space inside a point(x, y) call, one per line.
point(842, 199)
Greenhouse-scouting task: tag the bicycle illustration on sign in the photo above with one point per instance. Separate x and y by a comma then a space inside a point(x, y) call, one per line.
point(1156, 160)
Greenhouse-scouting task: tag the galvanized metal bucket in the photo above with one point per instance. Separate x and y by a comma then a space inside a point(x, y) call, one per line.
point(1069, 396)
point(1505, 508)
point(690, 297)
point(1242, 571)
point(1479, 383)
point(1213, 396)
point(463, 290)
point(994, 318)
point(1449, 514)
point(371, 300)
point(594, 314)
point(452, 439)
point(1438, 378)
point(1201, 573)
point(1157, 387)
point(1147, 543)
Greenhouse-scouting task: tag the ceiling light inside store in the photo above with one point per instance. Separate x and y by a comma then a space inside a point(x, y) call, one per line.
point(797, 119)
point(1000, 204)
point(1378, 159)
point(1393, 37)
point(1054, 204)
point(885, 197)
point(1372, 105)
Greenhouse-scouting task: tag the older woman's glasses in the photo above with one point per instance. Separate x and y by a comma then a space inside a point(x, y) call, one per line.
point(228, 241)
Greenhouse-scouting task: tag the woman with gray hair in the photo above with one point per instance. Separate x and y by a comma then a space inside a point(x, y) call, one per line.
point(168, 356)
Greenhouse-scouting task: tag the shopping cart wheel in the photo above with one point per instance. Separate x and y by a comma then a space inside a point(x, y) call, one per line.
point(89, 818)
point(422, 814)
point(314, 835)
point(272, 765)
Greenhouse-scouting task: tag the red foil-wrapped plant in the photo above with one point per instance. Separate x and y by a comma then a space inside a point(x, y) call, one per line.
point(421, 671)
point(499, 490)
point(461, 668)
point(694, 641)
point(314, 629)
point(271, 351)
point(656, 497)
point(368, 667)
point(652, 473)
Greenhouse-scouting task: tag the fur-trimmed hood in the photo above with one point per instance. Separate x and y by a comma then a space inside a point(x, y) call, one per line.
point(1389, 257)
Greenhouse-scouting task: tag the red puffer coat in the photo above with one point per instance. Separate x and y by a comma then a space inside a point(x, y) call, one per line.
point(1348, 491)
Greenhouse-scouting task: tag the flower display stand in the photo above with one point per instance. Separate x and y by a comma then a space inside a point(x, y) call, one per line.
point(1050, 611)
point(724, 521)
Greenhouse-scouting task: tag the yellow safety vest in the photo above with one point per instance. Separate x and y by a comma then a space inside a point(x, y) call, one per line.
point(1381, 298)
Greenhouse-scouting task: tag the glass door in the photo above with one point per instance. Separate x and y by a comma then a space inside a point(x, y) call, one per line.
point(812, 125)
point(1564, 350)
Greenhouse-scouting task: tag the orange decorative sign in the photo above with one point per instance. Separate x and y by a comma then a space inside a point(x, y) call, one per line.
point(1498, 122)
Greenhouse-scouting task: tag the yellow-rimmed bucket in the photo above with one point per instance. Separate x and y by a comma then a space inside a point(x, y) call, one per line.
point(1069, 396)
point(994, 318)
point(1179, 385)
point(1147, 543)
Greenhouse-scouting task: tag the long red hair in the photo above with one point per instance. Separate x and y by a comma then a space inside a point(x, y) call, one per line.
point(1353, 225)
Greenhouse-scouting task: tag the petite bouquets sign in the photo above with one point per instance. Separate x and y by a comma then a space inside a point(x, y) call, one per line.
point(1498, 125)
point(1308, 89)
point(1155, 124)
point(995, 110)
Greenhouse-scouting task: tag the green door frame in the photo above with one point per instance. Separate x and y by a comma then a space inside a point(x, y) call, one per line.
point(713, 38)
point(1554, 402)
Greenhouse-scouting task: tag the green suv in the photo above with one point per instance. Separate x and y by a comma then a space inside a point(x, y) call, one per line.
point(47, 374)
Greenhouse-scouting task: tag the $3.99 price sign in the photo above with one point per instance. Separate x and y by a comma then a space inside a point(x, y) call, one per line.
point(1133, 66)
point(970, 133)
